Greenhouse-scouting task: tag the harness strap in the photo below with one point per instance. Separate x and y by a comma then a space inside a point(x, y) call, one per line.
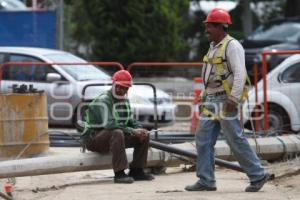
point(218, 61)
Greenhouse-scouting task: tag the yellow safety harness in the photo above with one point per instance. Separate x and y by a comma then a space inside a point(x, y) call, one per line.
point(219, 61)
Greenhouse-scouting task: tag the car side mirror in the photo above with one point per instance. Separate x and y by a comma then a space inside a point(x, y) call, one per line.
point(52, 77)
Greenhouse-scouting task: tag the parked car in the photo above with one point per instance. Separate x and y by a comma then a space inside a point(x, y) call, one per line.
point(283, 94)
point(276, 35)
point(12, 5)
point(64, 83)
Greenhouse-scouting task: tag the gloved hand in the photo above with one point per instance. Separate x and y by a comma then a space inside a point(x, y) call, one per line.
point(230, 106)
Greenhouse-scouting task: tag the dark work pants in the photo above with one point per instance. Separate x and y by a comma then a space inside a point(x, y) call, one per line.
point(115, 142)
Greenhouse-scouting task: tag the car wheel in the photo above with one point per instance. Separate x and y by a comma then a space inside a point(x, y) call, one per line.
point(278, 120)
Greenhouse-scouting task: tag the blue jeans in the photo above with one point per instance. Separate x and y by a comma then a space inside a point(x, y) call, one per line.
point(206, 137)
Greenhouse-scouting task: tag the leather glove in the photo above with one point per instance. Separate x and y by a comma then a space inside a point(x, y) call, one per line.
point(230, 106)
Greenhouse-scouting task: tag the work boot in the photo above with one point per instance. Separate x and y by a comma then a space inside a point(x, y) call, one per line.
point(257, 185)
point(138, 174)
point(121, 177)
point(199, 187)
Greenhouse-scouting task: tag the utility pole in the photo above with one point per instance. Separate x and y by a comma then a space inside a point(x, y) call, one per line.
point(34, 4)
point(247, 18)
point(60, 10)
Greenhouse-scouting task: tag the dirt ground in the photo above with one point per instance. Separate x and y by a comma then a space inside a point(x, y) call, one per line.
point(94, 185)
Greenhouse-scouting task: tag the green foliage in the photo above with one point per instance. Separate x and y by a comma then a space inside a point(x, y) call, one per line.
point(131, 30)
point(272, 10)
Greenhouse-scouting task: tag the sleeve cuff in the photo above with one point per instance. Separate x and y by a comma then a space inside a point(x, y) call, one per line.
point(234, 99)
point(128, 131)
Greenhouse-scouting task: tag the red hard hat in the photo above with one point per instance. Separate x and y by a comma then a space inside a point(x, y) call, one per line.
point(218, 15)
point(122, 78)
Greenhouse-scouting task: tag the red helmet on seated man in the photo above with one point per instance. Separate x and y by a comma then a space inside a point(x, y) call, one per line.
point(122, 78)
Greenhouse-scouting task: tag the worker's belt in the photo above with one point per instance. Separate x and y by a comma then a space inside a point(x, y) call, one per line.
point(217, 93)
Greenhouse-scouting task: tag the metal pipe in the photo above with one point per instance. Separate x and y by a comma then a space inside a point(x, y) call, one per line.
point(155, 118)
point(267, 148)
point(264, 77)
point(285, 52)
point(61, 25)
point(72, 161)
point(171, 149)
point(255, 68)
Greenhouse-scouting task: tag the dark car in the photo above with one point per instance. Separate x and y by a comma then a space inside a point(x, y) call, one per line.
point(276, 35)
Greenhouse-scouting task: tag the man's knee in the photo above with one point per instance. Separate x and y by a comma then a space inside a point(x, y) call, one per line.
point(147, 139)
point(118, 134)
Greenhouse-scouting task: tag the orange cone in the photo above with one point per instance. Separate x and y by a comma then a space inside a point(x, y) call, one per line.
point(198, 87)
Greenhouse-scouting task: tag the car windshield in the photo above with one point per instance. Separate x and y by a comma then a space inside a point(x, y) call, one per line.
point(78, 72)
point(283, 32)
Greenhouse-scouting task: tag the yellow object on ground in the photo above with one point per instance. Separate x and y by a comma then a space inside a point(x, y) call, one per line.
point(23, 125)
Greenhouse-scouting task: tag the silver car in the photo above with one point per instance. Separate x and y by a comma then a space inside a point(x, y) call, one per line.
point(283, 95)
point(64, 84)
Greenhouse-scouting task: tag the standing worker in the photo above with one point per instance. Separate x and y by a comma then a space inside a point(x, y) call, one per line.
point(110, 127)
point(224, 76)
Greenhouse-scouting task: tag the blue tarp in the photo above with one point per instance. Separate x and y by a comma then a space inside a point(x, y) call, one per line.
point(28, 28)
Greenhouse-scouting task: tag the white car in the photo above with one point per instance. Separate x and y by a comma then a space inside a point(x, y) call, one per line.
point(64, 84)
point(283, 95)
point(12, 5)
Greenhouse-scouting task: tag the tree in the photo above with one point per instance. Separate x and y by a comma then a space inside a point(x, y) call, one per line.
point(292, 8)
point(131, 30)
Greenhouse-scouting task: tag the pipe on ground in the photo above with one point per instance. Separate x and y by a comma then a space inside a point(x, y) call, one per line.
point(172, 149)
point(72, 161)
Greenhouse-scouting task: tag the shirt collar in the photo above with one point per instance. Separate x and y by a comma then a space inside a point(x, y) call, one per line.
point(220, 43)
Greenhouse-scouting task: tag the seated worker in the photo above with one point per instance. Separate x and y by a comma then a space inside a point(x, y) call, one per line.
point(110, 127)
